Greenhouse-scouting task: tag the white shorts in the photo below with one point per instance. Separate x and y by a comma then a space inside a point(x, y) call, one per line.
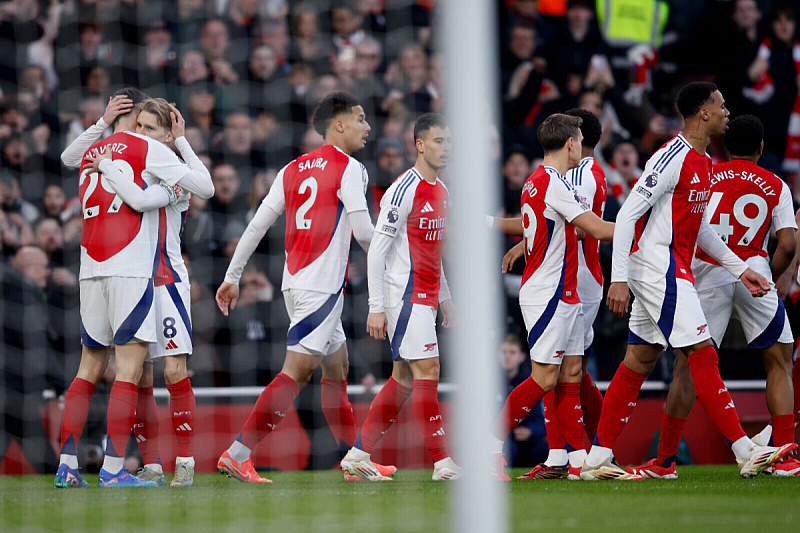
point(315, 321)
point(666, 313)
point(116, 310)
point(412, 331)
point(764, 319)
point(554, 331)
point(590, 310)
point(173, 320)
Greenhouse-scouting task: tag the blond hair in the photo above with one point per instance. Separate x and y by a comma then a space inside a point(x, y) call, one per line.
point(161, 109)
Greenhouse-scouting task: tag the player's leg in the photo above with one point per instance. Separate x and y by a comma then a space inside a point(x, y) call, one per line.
point(335, 404)
point(591, 397)
point(145, 428)
point(96, 337)
point(78, 398)
point(570, 413)
point(679, 404)
point(133, 319)
point(182, 405)
point(425, 402)
point(383, 412)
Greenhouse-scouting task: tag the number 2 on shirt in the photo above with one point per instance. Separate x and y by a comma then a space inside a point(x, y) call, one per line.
point(300, 219)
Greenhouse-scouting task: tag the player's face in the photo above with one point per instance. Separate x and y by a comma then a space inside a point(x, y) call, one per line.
point(356, 129)
point(434, 146)
point(147, 125)
point(575, 147)
point(718, 114)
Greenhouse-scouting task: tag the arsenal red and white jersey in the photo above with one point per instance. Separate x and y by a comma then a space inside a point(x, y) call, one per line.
point(414, 212)
point(676, 184)
point(170, 266)
point(589, 181)
point(318, 190)
point(549, 203)
point(116, 240)
point(746, 201)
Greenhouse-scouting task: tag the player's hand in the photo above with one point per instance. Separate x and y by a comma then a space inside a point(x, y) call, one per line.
point(95, 160)
point(178, 123)
point(376, 325)
point(227, 294)
point(618, 298)
point(512, 255)
point(118, 105)
point(449, 317)
point(757, 284)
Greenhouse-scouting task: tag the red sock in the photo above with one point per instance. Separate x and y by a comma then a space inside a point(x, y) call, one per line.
point(269, 410)
point(425, 402)
point(517, 407)
point(670, 439)
point(592, 404)
point(182, 406)
point(555, 440)
point(382, 414)
point(339, 413)
point(121, 414)
point(782, 429)
point(618, 404)
point(712, 393)
point(570, 414)
point(796, 385)
point(145, 428)
point(76, 409)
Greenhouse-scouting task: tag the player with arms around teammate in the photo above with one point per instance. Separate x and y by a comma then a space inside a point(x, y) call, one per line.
point(322, 193)
point(665, 216)
point(406, 287)
point(551, 307)
point(118, 251)
point(746, 201)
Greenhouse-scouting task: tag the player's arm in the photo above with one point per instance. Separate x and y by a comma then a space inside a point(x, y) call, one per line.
point(712, 244)
point(266, 215)
point(648, 190)
point(198, 181)
point(72, 155)
point(785, 224)
point(391, 219)
point(446, 305)
point(594, 226)
point(354, 186)
point(508, 226)
point(376, 268)
point(153, 197)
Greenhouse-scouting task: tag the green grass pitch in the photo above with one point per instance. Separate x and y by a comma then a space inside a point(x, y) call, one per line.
point(704, 499)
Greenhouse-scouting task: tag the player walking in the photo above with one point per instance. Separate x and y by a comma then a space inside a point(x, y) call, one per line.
point(549, 300)
point(323, 195)
point(589, 182)
point(666, 214)
point(406, 287)
point(746, 202)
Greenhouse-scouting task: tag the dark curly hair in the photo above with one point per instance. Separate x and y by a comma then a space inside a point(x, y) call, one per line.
point(744, 135)
point(693, 96)
point(590, 127)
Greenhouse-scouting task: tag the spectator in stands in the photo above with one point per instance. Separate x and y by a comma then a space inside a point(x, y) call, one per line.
point(308, 45)
point(624, 170)
point(267, 86)
point(226, 63)
point(235, 147)
point(26, 361)
point(53, 201)
point(516, 169)
point(407, 79)
point(736, 48)
point(527, 444)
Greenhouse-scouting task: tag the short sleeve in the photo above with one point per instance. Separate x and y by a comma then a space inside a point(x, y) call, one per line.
point(275, 198)
point(783, 214)
point(395, 208)
point(164, 164)
point(354, 187)
point(565, 200)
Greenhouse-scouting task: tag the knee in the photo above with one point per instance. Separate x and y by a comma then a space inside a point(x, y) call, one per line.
point(175, 371)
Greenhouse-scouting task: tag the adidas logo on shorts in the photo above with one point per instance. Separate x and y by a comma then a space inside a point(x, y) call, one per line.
point(172, 345)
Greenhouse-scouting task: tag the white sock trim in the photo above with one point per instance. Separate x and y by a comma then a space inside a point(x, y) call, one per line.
point(69, 460)
point(239, 452)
